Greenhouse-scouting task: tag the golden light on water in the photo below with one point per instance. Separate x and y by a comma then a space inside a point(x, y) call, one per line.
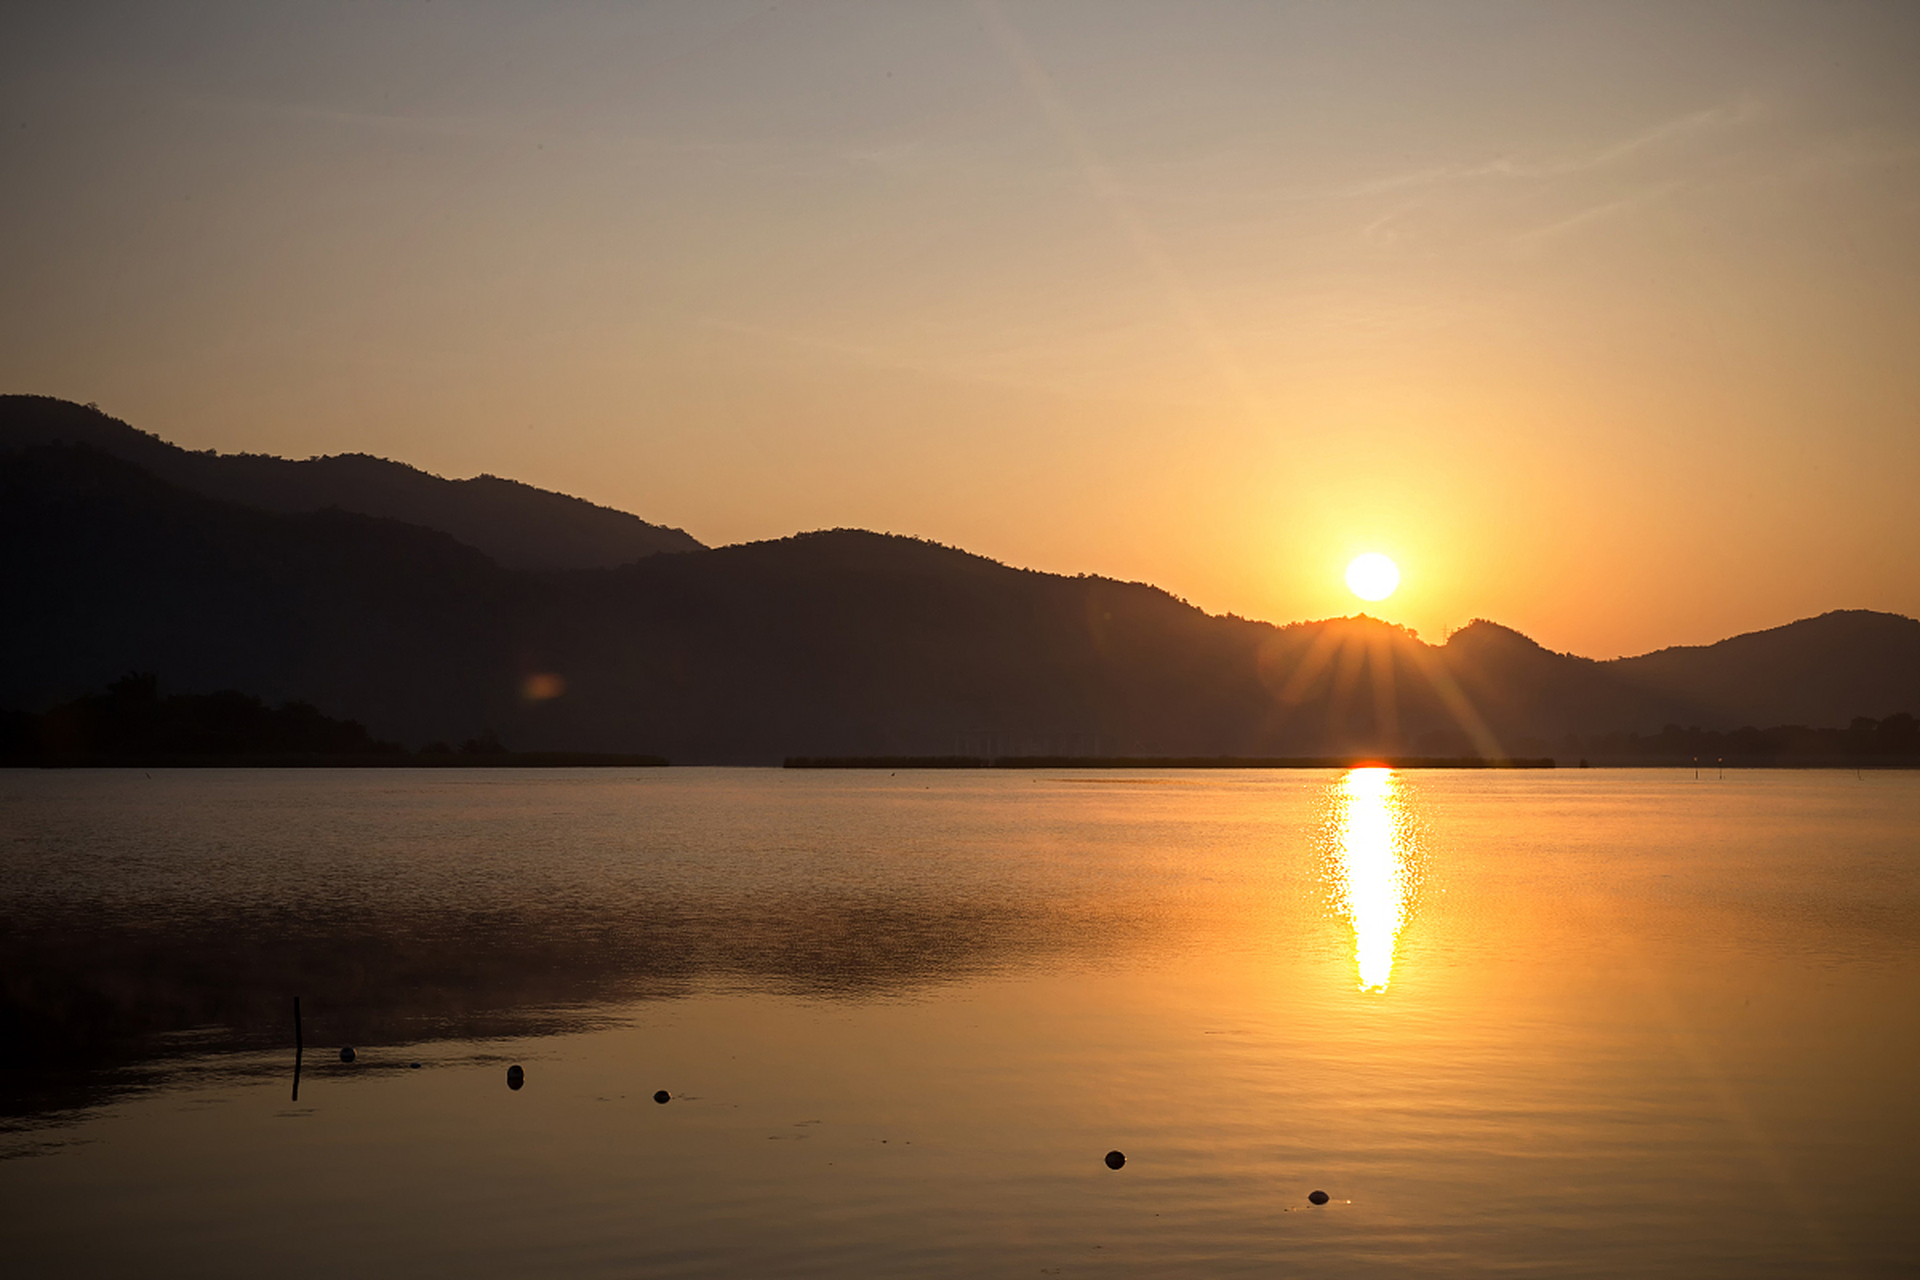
point(1374, 870)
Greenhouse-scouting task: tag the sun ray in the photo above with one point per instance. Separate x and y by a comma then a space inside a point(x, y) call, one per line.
point(1346, 674)
point(1459, 706)
point(1309, 668)
point(1386, 709)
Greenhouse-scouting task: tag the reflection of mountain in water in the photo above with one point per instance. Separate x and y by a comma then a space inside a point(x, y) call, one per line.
point(91, 1010)
point(150, 918)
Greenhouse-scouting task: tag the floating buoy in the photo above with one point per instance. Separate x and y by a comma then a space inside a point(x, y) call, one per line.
point(1317, 1197)
point(515, 1076)
point(346, 1055)
point(1115, 1159)
point(662, 1097)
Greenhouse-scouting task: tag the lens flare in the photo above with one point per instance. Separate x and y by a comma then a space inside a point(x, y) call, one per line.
point(542, 686)
point(1374, 869)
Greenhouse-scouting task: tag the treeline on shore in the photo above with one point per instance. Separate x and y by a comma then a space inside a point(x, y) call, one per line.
point(1893, 738)
point(1164, 762)
point(133, 723)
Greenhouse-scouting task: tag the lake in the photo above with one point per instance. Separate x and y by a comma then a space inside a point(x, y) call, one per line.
point(1569, 1023)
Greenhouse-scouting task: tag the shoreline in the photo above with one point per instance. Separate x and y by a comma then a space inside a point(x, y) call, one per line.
point(490, 760)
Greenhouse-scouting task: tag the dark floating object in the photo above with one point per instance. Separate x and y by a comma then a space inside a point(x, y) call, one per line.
point(515, 1076)
point(414, 1066)
point(1115, 1159)
point(662, 1097)
point(1317, 1197)
point(346, 1055)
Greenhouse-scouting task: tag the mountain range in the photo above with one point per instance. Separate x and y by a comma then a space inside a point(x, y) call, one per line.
point(435, 609)
point(516, 525)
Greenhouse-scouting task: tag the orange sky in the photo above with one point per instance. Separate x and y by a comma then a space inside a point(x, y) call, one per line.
point(1601, 320)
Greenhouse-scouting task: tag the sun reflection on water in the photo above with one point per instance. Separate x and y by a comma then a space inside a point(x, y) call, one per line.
point(1374, 871)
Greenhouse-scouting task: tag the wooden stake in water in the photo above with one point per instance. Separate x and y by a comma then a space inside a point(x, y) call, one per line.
point(299, 1047)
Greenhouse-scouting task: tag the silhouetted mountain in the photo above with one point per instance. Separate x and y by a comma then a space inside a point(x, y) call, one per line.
point(1818, 671)
point(841, 643)
point(1823, 671)
point(518, 525)
point(101, 560)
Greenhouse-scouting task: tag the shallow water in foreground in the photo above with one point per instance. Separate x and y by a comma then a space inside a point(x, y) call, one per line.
point(1572, 1023)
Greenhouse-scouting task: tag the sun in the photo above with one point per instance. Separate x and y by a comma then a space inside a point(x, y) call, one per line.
point(1372, 576)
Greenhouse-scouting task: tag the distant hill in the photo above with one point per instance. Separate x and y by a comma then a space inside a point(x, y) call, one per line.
point(107, 569)
point(838, 643)
point(1822, 672)
point(519, 526)
point(1808, 672)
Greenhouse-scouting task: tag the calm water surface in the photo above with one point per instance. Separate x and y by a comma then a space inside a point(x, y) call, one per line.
point(1539, 1024)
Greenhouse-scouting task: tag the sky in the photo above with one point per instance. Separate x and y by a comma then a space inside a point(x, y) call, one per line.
point(1601, 320)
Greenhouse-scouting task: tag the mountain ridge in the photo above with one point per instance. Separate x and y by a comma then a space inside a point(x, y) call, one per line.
point(827, 643)
point(518, 525)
